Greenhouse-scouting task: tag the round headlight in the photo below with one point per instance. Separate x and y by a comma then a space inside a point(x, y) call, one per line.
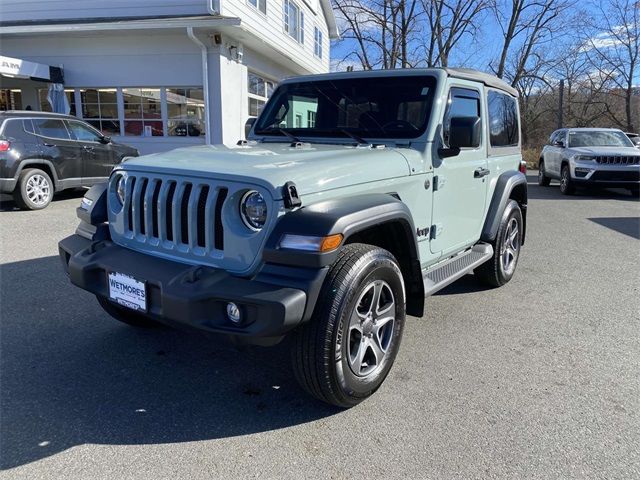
point(253, 210)
point(120, 188)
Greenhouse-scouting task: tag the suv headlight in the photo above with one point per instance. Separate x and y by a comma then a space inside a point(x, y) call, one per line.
point(584, 158)
point(253, 210)
point(120, 187)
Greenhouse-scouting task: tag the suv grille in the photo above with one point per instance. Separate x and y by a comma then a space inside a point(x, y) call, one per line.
point(618, 160)
point(175, 214)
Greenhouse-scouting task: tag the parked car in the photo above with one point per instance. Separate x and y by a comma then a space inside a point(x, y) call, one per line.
point(590, 157)
point(635, 138)
point(356, 196)
point(44, 153)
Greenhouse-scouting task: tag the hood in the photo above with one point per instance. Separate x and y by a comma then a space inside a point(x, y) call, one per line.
point(604, 150)
point(313, 168)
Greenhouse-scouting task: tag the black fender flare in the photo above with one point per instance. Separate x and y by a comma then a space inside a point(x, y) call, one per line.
point(511, 185)
point(347, 216)
point(38, 161)
point(350, 216)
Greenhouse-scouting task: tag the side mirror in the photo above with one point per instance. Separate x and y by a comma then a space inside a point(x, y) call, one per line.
point(249, 125)
point(106, 139)
point(558, 143)
point(464, 132)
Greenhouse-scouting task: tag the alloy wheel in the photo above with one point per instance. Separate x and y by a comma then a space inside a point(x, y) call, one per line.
point(510, 247)
point(38, 190)
point(371, 328)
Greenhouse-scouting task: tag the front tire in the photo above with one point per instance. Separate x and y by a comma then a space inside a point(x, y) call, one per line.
point(345, 351)
point(543, 180)
point(125, 315)
point(566, 184)
point(34, 190)
point(506, 249)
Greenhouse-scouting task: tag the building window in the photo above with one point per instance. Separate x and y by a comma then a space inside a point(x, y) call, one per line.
point(317, 42)
point(142, 112)
point(185, 111)
point(10, 99)
point(100, 109)
point(45, 106)
point(259, 90)
point(311, 119)
point(260, 5)
point(294, 21)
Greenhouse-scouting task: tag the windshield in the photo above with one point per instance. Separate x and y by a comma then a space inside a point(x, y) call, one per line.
point(376, 107)
point(604, 138)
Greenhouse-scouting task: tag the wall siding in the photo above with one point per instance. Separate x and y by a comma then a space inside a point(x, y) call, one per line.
point(27, 10)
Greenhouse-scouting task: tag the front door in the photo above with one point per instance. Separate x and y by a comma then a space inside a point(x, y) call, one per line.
point(461, 187)
point(97, 157)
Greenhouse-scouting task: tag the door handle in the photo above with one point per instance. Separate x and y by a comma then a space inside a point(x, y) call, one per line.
point(481, 172)
point(88, 149)
point(48, 144)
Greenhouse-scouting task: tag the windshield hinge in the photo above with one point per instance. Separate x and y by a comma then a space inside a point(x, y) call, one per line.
point(435, 183)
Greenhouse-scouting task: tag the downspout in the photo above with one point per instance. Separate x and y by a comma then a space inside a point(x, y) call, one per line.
point(213, 7)
point(205, 83)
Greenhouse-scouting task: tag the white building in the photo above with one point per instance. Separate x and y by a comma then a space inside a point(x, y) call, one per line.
point(158, 74)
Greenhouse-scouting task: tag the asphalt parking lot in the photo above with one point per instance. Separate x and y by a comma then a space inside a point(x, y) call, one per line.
point(538, 379)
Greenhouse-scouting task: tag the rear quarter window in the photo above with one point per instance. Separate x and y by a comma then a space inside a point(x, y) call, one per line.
point(503, 119)
point(14, 128)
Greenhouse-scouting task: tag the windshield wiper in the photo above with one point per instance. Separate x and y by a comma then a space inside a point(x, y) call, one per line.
point(357, 138)
point(291, 136)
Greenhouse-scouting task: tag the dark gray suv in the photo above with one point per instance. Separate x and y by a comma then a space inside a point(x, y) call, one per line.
point(44, 153)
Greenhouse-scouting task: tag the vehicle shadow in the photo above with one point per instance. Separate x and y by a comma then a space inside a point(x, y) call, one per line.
point(552, 192)
point(8, 205)
point(626, 225)
point(71, 375)
point(466, 284)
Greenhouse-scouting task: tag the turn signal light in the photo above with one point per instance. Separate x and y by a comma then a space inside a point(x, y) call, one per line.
point(4, 145)
point(331, 242)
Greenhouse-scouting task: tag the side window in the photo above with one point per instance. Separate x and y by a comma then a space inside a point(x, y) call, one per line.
point(553, 138)
point(462, 102)
point(83, 133)
point(503, 119)
point(51, 127)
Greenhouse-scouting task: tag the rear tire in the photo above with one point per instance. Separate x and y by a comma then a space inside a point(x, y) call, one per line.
point(34, 190)
point(543, 180)
point(125, 315)
point(566, 184)
point(345, 351)
point(506, 249)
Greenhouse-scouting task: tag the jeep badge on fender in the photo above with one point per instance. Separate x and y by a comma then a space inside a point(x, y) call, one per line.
point(320, 225)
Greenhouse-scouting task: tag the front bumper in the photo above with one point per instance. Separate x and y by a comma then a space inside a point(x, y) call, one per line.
point(192, 295)
point(606, 177)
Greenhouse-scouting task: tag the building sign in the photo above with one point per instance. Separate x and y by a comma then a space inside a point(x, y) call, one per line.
point(14, 67)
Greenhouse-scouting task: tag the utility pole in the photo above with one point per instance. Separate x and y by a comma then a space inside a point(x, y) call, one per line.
point(560, 102)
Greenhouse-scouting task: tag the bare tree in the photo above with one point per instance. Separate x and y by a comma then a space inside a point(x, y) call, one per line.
point(449, 21)
point(527, 26)
point(613, 50)
point(381, 30)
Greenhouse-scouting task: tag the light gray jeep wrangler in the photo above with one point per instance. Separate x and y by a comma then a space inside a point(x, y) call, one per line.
point(356, 196)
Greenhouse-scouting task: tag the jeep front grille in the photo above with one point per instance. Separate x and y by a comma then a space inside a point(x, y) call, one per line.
point(618, 159)
point(175, 214)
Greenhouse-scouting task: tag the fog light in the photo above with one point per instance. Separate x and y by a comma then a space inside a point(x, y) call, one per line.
point(582, 172)
point(233, 312)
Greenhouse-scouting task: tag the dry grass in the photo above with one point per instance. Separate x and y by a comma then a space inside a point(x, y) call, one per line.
point(531, 156)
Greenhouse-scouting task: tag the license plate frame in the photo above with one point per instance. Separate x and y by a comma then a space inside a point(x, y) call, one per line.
point(127, 291)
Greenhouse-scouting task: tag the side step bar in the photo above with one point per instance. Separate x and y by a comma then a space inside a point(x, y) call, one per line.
point(444, 273)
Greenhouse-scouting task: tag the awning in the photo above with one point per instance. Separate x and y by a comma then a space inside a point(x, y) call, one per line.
point(17, 68)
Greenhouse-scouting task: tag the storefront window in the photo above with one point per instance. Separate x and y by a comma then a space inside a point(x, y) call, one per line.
point(142, 112)
point(185, 111)
point(100, 109)
point(259, 89)
point(10, 99)
point(45, 106)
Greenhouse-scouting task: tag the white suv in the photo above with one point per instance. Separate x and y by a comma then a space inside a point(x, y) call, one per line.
point(590, 157)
